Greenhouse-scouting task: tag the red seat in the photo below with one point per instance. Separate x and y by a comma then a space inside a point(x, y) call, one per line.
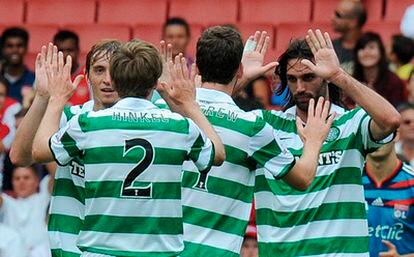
point(61, 12)
point(11, 12)
point(149, 33)
point(323, 10)
point(29, 60)
point(385, 29)
point(91, 34)
point(285, 32)
point(394, 9)
point(247, 30)
point(205, 12)
point(132, 12)
point(274, 11)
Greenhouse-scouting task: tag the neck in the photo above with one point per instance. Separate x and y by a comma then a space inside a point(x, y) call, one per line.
point(371, 74)
point(382, 167)
point(15, 70)
point(350, 38)
point(228, 89)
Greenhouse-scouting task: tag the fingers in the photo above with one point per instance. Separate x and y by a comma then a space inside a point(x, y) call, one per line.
point(261, 41)
point(313, 40)
point(311, 108)
point(328, 40)
point(177, 67)
point(55, 60)
point(68, 66)
point(184, 68)
point(250, 45)
point(193, 72)
point(163, 51)
point(42, 59)
point(266, 44)
point(299, 127)
point(169, 52)
point(331, 119)
point(389, 245)
point(319, 107)
point(269, 67)
point(61, 62)
point(49, 53)
point(77, 80)
point(320, 38)
point(308, 64)
point(38, 62)
point(325, 110)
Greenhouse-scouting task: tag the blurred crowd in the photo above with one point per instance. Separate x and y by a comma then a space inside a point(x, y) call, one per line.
point(388, 69)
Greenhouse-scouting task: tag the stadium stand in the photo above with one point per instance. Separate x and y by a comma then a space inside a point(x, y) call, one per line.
point(323, 10)
point(385, 28)
point(249, 29)
point(11, 12)
point(394, 9)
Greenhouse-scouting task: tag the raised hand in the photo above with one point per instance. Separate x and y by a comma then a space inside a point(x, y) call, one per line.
point(179, 92)
point(43, 59)
point(318, 124)
point(326, 61)
point(392, 250)
point(59, 84)
point(254, 54)
point(166, 57)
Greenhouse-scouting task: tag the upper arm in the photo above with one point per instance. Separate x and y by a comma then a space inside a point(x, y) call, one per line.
point(202, 149)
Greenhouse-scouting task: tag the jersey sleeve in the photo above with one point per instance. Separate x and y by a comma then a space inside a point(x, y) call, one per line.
point(267, 151)
point(66, 143)
point(202, 149)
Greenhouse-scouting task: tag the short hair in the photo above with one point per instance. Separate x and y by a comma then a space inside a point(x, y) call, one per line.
point(103, 48)
point(63, 35)
point(405, 106)
point(360, 13)
point(135, 69)
point(177, 21)
point(219, 53)
point(15, 32)
point(299, 49)
point(403, 48)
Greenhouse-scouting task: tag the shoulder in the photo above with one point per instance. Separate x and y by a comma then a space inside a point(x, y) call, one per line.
point(408, 170)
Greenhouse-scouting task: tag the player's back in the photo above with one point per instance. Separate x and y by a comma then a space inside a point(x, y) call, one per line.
point(216, 209)
point(133, 155)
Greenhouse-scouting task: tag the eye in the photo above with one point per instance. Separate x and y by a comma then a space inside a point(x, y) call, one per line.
point(308, 77)
point(291, 79)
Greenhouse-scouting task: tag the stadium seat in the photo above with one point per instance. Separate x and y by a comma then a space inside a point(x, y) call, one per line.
point(249, 29)
point(90, 34)
point(288, 31)
point(61, 12)
point(274, 11)
point(150, 33)
point(205, 12)
point(323, 10)
point(385, 29)
point(394, 9)
point(132, 12)
point(29, 60)
point(11, 12)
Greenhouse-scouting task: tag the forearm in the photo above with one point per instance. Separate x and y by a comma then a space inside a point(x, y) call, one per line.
point(303, 172)
point(198, 117)
point(21, 150)
point(408, 255)
point(48, 126)
point(386, 118)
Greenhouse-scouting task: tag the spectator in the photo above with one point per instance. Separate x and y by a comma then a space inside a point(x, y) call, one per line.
point(11, 243)
point(402, 51)
point(27, 213)
point(349, 18)
point(371, 67)
point(249, 246)
point(68, 42)
point(256, 95)
point(407, 22)
point(405, 146)
point(176, 32)
point(14, 42)
point(389, 192)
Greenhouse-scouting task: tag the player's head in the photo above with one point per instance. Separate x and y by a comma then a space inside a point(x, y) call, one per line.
point(302, 82)
point(176, 32)
point(14, 42)
point(68, 43)
point(349, 15)
point(402, 49)
point(25, 181)
point(135, 68)
point(3, 91)
point(406, 129)
point(219, 54)
point(97, 73)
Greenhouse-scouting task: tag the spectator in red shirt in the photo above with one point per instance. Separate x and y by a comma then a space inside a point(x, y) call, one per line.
point(68, 42)
point(371, 67)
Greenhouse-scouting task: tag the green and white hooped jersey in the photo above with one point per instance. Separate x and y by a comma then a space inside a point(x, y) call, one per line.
point(329, 218)
point(67, 202)
point(132, 154)
point(216, 209)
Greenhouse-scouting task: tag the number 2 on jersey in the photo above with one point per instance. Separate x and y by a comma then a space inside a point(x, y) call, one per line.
point(128, 190)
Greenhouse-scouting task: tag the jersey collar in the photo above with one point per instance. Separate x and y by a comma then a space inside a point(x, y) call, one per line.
point(134, 103)
point(215, 96)
point(334, 108)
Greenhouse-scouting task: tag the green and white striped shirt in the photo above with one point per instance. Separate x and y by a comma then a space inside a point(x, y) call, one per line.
point(216, 211)
point(329, 218)
point(133, 155)
point(67, 203)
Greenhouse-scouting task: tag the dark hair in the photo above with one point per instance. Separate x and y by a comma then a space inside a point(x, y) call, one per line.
point(15, 32)
point(135, 69)
point(405, 106)
point(403, 48)
point(219, 53)
point(360, 14)
point(299, 49)
point(102, 48)
point(382, 78)
point(63, 35)
point(177, 21)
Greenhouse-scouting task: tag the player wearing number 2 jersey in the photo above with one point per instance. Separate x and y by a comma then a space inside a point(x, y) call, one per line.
point(132, 153)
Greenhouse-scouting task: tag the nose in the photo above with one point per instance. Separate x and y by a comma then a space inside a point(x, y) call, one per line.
point(107, 78)
point(300, 86)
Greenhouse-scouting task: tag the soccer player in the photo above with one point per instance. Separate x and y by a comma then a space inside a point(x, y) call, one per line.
point(217, 207)
point(132, 154)
point(329, 218)
point(67, 202)
point(389, 192)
